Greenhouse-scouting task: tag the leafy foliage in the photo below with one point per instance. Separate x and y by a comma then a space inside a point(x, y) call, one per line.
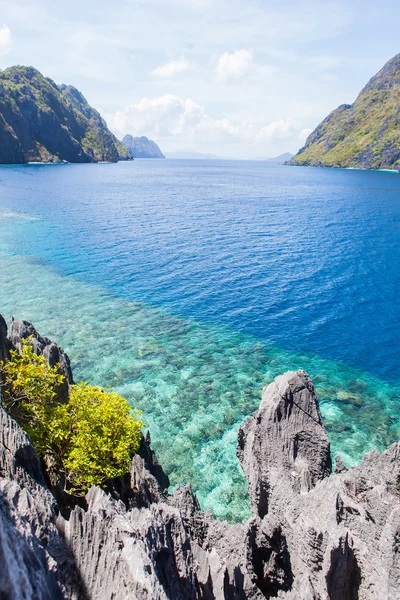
point(91, 437)
point(30, 393)
point(102, 433)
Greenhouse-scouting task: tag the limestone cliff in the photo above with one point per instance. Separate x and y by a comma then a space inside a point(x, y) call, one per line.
point(365, 134)
point(314, 535)
point(43, 122)
point(142, 147)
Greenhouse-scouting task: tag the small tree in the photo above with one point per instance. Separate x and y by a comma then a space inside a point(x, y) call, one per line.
point(92, 437)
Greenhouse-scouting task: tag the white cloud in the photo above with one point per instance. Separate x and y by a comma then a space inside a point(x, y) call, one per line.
point(220, 131)
point(233, 68)
point(169, 118)
point(166, 115)
point(5, 39)
point(303, 135)
point(282, 129)
point(172, 68)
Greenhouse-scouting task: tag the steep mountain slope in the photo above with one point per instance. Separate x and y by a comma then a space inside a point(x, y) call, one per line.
point(43, 122)
point(142, 147)
point(365, 134)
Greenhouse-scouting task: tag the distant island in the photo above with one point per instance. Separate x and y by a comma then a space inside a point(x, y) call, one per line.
point(363, 135)
point(142, 147)
point(281, 159)
point(41, 121)
point(192, 155)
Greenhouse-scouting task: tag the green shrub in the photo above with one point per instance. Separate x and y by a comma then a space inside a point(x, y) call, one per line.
point(30, 393)
point(92, 437)
point(102, 432)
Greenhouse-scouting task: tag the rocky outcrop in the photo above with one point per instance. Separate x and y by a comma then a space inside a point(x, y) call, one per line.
point(285, 448)
point(363, 135)
point(43, 122)
point(314, 534)
point(142, 147)
point(22, 330)
point(3, 339)
point(35, 561)
point(336, 535)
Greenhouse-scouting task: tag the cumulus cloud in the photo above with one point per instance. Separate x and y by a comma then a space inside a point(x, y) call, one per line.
point(5, 39)
point(282, 129)
point(167, 115)
point(172, 68)
point(170, 116)
point(185, 121)
point(233, 68)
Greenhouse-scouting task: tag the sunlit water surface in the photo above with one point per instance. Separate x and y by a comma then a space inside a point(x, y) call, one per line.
point(188, 285)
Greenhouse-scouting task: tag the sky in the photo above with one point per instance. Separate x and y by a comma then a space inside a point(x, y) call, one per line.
point(240, 79)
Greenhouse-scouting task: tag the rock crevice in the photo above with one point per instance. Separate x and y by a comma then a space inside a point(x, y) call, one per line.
point(313, 535)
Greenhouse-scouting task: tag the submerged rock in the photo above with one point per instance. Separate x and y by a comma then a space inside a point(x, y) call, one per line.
point(313, 535)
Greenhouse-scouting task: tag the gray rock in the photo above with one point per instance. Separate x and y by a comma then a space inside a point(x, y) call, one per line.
point(35, 561)
point(22, 330)
point(3, 339)
point(285, 443)
point(317, 535)
point(55, 355)
point(314, 535)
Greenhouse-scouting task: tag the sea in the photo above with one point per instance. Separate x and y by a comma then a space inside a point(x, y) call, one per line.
point(188, 285)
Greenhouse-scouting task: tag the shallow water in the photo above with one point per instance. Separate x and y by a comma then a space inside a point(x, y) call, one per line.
point(189, 285)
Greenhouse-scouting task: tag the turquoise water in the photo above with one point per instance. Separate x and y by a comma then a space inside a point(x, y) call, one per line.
point(188, 286)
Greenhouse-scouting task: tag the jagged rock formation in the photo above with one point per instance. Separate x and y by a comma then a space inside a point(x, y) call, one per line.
point(22, 330)
point(43, 122)
point(142, 147)
point(336, 535)
point(314, 535)
point(363, 135)
point(295, 438)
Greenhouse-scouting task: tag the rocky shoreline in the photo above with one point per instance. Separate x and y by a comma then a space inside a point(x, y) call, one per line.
point(313, 534)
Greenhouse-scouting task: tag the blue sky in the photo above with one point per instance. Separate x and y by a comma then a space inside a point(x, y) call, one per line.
point(235, 78)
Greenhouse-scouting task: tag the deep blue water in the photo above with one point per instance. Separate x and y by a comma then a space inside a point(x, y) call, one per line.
point(242, 269)
point(307, 258)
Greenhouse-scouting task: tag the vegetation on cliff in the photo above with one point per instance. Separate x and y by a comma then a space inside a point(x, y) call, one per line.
point(365, 134)
point(91, 438)
point(43, 122)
